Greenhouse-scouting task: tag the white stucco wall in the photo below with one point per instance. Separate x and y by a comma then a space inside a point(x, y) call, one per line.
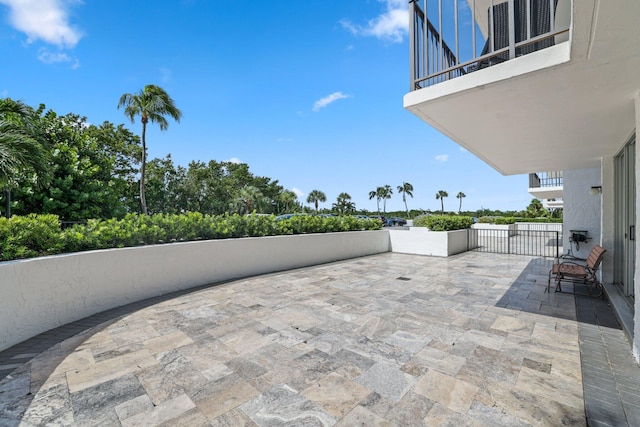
point(582, 210)
point(421, 241)
point(43, 293)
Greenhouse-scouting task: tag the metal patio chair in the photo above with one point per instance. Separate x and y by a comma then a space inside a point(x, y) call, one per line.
point(575, 273)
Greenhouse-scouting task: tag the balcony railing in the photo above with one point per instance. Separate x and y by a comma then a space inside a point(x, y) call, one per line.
point(545, 179)
point(512, 28)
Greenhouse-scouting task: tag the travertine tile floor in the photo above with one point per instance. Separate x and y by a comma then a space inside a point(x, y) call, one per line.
point(391, 339)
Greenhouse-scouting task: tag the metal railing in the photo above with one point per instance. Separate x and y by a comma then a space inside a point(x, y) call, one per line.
point(529, 242)
point(514, 28)
point(544, 180)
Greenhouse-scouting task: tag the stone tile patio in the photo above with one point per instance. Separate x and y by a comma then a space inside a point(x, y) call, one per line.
point(390, 339)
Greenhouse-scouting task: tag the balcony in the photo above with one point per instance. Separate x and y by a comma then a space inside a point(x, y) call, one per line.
point(501, 30)
point(546, 185)
point(532, 95)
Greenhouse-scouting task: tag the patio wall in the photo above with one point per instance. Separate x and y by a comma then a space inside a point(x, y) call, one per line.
point(421, 241)
point(39, 294)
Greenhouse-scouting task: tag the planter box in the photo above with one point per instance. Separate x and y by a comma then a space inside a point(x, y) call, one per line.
point(485, 230)
point(43, 293)
point(422, 241)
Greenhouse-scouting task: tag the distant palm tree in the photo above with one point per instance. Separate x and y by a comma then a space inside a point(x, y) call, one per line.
point(316, 196)
point(460, 196)
point(385, 195)
point(151, 103)
point(343, 204)
point(288, 197)
point(248, 195)
point(440, 195)
point(406, 189)
point(376, 194)
point(21, 146)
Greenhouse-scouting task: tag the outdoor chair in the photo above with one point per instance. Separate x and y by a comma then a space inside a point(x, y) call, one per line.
point(578, 273)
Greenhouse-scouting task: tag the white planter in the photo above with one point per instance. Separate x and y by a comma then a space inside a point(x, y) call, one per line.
point(421, 241)
point(486, 230)
point(42, 293)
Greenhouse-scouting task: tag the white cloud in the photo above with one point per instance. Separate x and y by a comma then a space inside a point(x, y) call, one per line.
point(234, 160)
point(298, 192)
point(441, 158)
point(45, 20)
point(328, 100)
point(57, 57)
point(391, 25)
point(165, 74)
point(464, 150)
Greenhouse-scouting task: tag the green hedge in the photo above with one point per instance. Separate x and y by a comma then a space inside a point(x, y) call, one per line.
point(443, 222)
point(39, 235)
point(502, 220)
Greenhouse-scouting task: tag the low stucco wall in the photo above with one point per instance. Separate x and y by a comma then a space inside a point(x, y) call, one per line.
point(43, 293)
point(421, 241)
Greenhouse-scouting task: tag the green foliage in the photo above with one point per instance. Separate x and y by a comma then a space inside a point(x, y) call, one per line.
point(485, 220)
point(38, 235)
point(504, 220)
point(29, 236)
point(90, 169)
point(552, 220)
point(443, 222)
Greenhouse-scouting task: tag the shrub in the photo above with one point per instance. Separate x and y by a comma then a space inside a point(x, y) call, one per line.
point(443, 222)
point(485, 220)
point(504, 220)
point(37, 235)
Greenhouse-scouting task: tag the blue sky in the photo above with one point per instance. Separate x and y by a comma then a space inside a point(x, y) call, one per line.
point(306, 92)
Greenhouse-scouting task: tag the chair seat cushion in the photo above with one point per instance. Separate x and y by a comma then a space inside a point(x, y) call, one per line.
point(569, 270)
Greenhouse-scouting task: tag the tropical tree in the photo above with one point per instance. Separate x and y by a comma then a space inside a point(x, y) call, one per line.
point(21, 146)
point(460, 196)
point(249, 195)
point(385, 193)
point(376, 193)
point(288, 198)
point(536, 209)
point(316, 196)
point(440, 195)
point(91, 170)
point(152, 104)
point(406, 189)
point(344, 205)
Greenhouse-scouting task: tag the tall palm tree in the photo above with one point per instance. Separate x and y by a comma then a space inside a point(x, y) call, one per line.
point(440, 195)
point(406, 189)
point(21, 146)
point(316, 196)
point(460, 196)
point(385, 195)
point(152, 103)
point(376, 193)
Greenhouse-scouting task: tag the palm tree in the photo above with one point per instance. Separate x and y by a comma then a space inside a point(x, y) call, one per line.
point(152, 103)
point(385, 195)
point(344, 204)
point(288, 197)
point(460, 196)
point(248, 195)
point(440, 195)
point(21, 147)
point(376, 193)
point(406, 189)
point(316, 196)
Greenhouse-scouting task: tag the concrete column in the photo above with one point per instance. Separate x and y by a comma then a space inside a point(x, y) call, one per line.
point(636, 278)
point(607, 218)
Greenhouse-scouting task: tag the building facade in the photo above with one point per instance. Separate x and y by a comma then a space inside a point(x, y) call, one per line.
point(545, 85)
